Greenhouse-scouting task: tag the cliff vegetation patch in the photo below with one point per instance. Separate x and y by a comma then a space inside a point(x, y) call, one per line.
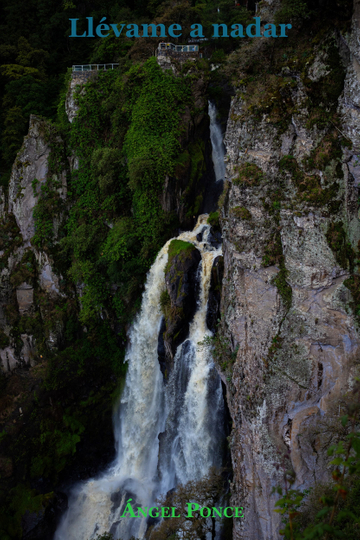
point(249, 174)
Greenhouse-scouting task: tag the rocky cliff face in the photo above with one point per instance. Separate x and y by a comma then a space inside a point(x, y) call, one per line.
point(289, 218)
point(29, 326)
point(44, 384)
point(291, 233)
point(26, 270)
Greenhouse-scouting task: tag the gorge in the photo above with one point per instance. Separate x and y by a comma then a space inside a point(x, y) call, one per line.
point(179, 278)
point(188, 412)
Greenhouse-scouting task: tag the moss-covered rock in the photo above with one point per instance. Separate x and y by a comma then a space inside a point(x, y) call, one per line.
point(248, 174)
point(241, 212)
point(213, 220)
point(181, 286)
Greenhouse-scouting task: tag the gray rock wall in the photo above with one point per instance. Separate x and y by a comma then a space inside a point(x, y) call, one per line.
point(78, 79)
point(31, 164)
point(293, 359)
point(29, 174)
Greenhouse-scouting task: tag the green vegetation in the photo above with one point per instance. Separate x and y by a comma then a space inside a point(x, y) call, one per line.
point(127, 138)
point(36, 52)
point(221, 349)
point(241, 212)
point(4, 340)
point(214, 220)
point(293, 11)
point(23, 499)
point(266, 73)
point(329, 149)
point(309, 186)
point(273, 252)
point(273, 255)
point(165, 302)
point(348, 258)
point(248, 174)
point(70, 404)
point(224, 196)
point(25, 270)
point(353, 284)
point(130, 134)
point(283, 287)
point(178, 248)
point(340, 245)
point(276, 344)
point(10, 238)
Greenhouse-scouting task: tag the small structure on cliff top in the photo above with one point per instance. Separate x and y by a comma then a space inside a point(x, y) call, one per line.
point(93, 67)
point(165, 52)
point(180, 51)
point(82, 72)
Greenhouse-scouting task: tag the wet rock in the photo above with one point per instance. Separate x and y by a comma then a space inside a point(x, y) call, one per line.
point(161, 346)
point(199, 236)
point(182, 288)
point(42, 525)
point(214, 238)
point(213, 309)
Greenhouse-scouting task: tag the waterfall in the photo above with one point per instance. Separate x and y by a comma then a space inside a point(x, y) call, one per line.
point(218, 150)
point(188, 411)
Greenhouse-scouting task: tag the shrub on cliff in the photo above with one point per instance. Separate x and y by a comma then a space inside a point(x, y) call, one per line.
point(292, 11)
point(126, 135)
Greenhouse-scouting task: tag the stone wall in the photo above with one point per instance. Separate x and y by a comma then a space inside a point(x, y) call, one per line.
point(78, 78)
point(168, 59)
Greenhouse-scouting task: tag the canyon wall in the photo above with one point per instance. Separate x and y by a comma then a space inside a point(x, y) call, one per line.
point(291, 232)
point(290, 291)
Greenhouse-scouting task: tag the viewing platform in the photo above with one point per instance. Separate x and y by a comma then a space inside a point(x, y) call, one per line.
point(93, 67)
point(83, 72)
point(166, 52)
point(178, 51)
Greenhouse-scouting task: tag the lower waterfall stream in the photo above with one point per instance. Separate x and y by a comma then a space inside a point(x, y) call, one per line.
point(188, 411)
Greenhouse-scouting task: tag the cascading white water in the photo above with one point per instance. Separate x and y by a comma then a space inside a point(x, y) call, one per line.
point(195, 420)
point(218, 150)
point(139, 419)
point(189, 411)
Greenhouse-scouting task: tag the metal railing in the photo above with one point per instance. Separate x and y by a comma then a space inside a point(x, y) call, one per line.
point(93, 67)
point(177, 48)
